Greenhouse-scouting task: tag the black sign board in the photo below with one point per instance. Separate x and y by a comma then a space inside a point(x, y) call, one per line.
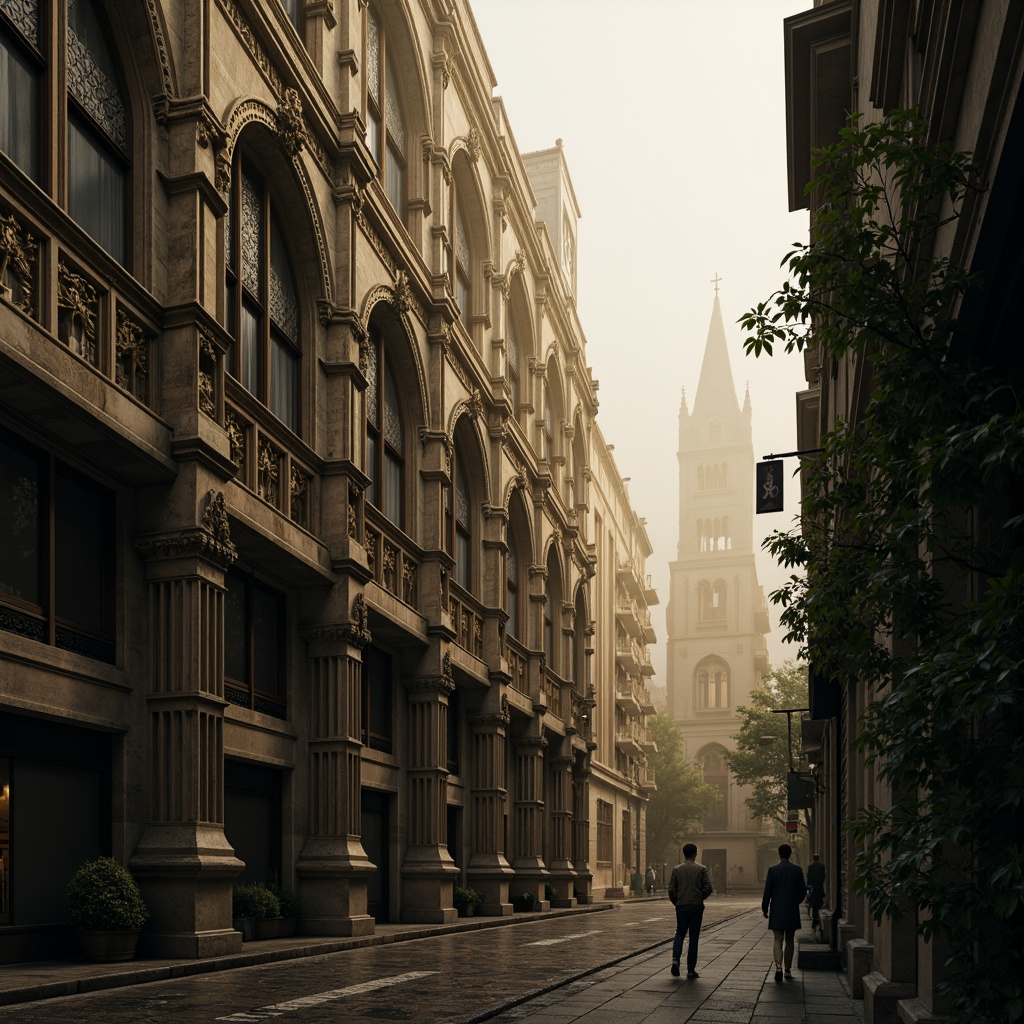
point(768, 497)
point(799, 790)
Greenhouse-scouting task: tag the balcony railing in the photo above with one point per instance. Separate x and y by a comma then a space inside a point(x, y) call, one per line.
point(394, 565)
point(517, 665)
point(467, 620)
point(552, 689)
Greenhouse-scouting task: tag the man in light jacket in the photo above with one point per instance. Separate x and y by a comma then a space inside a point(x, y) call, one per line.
point(784, 891)
point(688, 888)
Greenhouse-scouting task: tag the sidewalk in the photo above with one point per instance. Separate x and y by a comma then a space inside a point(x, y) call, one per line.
point(736, 986)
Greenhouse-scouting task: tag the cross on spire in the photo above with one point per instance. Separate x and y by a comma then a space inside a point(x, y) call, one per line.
point(715, 281)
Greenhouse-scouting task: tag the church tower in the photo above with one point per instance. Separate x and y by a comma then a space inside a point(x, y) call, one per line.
point(717, 614)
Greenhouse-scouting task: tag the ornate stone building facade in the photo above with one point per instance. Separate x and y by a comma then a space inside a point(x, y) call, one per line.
point(300, 570)
point(717, 614)
point(962, 66)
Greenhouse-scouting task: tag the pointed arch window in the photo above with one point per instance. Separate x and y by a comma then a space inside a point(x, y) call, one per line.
point(262, 300)
point(385, 434)
point(713, 685)
point(386, 135)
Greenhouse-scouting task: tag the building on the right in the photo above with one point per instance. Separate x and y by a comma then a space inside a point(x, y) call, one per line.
point(960, 65)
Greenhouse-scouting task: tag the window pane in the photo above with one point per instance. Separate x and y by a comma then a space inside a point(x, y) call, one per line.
point(284, 303)
point(19, 113)
point(393, 489)
point(83, 554)
point(462, 558)
point(96, 190)
point(395, 175)
point(511, 627)
point(266, 613)
point(247, 346)
point(235, 631)
point(92, 73)
point(392, 414)
point(284, 382)
point(395, 123)
point(372, 468)
point(373, 132)
point(252, 236)
point(20, 552)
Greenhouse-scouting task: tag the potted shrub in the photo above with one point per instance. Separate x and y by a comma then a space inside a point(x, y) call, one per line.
point(253, 902)
point(104, 903)
point(524, 902)
point(288, 904)
point(466, 900)
point(549, 892)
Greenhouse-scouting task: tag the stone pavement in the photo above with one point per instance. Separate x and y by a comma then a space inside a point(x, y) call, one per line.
point(736, 986)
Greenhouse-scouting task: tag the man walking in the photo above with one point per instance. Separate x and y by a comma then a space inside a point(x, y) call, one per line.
point(816, 890)
point(688, 888)
point(784, 891)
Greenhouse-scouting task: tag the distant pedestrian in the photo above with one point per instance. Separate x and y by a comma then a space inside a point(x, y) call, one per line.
point(816, 890)
point(652, 880)
point(688, 888)
point(784, 891)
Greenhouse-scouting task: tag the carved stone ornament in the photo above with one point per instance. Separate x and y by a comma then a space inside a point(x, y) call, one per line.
point(357, 631)
point(215, 520)
point(521, 261)
point(473, 144)
point(291, 128)
point(222, 175)
point(17, 254)
point(476, 405)
point(402, 294)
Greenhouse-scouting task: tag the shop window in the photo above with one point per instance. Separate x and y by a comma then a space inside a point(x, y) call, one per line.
point(57, 560)
point(254, 648)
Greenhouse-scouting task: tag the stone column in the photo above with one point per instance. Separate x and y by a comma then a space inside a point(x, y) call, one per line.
point(183, 862)
point(560, 862)
point(333, 867)
point(581, 829)
point(528, 807)
point(428, 870)
point(489, 871)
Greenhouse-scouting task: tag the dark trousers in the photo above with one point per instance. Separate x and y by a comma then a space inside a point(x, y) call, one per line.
point(688, 919)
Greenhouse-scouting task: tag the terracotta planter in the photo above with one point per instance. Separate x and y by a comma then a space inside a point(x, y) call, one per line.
point(104, 946)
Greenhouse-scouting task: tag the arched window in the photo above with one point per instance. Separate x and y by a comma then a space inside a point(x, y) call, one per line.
point(262, 300)
point(459, 523)
point(711, 601)
point(385, 435)
point(513, 367)
point(716, 775)
point(512, 591)
point(463, 268)
point(712, 685)
point(552, 611)
point(385, 125)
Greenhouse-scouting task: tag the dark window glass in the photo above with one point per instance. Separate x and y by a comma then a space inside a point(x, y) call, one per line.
point(83, 541)
point(20, 77)
point(385, 435)
point(57, 525)
point(97, 184)
point(254, 668)
point(20, 526)
point(377, 727)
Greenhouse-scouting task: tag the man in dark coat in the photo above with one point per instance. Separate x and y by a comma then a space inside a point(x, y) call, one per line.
point(688, 888)
point(784, 891)
point(816, 889)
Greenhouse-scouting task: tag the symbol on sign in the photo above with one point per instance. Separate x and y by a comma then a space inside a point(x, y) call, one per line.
point(770, 490)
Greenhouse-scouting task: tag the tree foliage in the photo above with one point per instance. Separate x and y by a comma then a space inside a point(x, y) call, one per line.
point(765, 765)
point(909, 568)
point(682, 798)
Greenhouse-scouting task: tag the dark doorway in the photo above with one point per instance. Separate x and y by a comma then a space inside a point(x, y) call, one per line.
point(715, 861)
point(252, 819)
point(377, 844)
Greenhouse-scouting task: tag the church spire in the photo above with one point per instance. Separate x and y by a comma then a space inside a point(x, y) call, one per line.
point(716, 392)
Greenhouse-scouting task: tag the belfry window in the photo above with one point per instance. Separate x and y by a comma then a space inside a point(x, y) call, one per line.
point(385, 125)
point(262, 300)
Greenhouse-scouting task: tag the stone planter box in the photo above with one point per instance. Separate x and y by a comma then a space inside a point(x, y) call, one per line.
point(106, 946)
